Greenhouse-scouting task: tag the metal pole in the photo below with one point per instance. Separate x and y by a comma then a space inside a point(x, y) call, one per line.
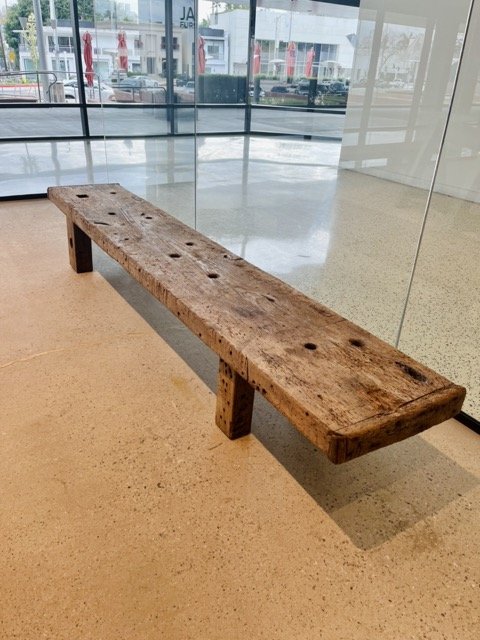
point(42, 58)
point(53, 24)
point(3, 49)
point(170, 97)
point(77, 50)
point(251, 44)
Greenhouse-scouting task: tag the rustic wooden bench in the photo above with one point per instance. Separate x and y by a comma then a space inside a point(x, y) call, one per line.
point(344, 389)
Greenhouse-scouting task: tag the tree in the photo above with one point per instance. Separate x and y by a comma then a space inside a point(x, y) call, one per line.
point(31, 38)
point(24, 8)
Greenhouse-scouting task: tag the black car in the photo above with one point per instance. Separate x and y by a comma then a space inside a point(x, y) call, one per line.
point(337, 88)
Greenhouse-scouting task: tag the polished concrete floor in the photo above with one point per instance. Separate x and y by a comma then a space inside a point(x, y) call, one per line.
point(126, 514)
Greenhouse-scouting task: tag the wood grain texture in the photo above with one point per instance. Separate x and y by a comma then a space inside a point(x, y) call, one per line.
point(234, 402)
point(79, 248)
point(344, 389)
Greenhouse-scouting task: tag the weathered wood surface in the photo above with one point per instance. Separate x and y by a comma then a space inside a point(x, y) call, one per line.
point(344, 389)
point(234, 402)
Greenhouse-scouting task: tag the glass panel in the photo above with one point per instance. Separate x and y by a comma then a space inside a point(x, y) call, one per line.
point(442, 321)
point(220, 120)
point(32, 167)
point(125, 120)
point(401, 89)
point(271, 201)
point(302, 57)
point(277, 120)
point(222, 161)
point(40, 122)
point(222, 61)
point(145, 50)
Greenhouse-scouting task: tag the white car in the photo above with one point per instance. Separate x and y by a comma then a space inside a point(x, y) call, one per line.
point(104, 93)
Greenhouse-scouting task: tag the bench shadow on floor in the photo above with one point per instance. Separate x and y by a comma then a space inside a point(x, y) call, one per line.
point(373, 498)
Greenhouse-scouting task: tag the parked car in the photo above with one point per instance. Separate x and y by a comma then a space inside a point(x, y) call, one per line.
point(337, 88)
point(139, 89)
point(98, 93)
point(303, 88)
point(279, 89)
point(185, 93)
point(284, 92)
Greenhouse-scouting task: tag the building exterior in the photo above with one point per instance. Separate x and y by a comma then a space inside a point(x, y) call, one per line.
point(146, 49)
point(216, 50)
point(330, 35)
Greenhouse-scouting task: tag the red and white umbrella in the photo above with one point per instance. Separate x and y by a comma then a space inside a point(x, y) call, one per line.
point(88, 58)
point(122, 51)
point(256, 59)
point(309, 63)
point(201, 58)
point(290, 59)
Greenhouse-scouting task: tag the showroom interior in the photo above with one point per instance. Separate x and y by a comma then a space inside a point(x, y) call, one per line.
point(336, 146)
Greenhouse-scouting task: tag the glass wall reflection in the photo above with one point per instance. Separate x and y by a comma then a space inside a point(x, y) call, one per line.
point(442, 321)
point(151, 70)
point(302, 56)
point(402, 81)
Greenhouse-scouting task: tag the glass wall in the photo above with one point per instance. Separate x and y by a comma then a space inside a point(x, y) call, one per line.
point(361, 170)
point(302, 56)
point(442, 321)
point(149, 123)
point(402, 82)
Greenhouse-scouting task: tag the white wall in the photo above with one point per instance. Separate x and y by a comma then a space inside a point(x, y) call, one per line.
point(394, 132)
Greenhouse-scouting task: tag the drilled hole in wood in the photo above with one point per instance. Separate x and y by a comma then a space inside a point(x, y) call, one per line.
point(174, 255)
point(310, 345)
point(213, 275)
point(410, 371)
point(82, 195)
point(190, 244)
point(356, 343)
point(148, 217)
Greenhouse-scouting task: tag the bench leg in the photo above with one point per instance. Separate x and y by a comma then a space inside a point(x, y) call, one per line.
point(79, 248)
point(234, 402)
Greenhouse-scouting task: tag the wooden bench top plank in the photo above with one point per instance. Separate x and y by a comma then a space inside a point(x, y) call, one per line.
point(348, 391)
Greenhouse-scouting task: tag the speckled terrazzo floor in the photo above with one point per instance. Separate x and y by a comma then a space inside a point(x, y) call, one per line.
point(126, 514)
